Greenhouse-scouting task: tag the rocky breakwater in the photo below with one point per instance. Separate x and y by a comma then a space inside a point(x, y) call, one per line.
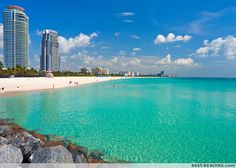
point(18, 145)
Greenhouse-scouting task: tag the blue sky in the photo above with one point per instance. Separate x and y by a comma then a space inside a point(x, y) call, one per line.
point(189, 37)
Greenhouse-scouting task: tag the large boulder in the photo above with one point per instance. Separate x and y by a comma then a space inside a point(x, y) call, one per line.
point(10, 154)
point(3, 141)
point(26, 142)
point(55, 154)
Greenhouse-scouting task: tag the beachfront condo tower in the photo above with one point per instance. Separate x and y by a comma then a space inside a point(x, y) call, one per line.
point(16, 37)
point(50, 60)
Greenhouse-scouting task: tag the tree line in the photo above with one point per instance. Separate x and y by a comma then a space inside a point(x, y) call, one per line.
point(19, 71)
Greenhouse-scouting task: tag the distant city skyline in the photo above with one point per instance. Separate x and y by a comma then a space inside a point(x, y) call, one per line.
point(193, 38)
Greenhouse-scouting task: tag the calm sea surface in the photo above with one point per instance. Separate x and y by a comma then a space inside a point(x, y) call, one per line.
point(138, 120)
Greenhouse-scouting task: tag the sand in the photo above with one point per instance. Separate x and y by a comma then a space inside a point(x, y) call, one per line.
point(13, 85)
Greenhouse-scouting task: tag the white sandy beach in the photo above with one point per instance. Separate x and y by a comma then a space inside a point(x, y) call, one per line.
point(11, 85)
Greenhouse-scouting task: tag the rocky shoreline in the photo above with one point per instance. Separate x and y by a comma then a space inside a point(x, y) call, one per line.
point(18, 145)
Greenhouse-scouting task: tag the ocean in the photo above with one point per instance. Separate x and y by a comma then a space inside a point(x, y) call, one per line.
point(140, 120)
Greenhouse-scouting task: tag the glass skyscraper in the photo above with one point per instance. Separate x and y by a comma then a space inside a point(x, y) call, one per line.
point(50, 60)
point(16, 37)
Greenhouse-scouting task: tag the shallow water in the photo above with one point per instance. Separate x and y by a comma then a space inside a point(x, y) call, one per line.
point(138, 120)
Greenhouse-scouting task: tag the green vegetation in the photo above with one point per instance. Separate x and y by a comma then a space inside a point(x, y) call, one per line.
point(19, 71)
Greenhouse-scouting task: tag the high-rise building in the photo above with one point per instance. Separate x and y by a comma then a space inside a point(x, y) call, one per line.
point(50, 60)
point(105, 71)
point(125, 73)
point(97, 71)
point(86, 70)
point(16, 37)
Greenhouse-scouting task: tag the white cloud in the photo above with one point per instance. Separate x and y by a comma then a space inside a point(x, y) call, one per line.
point(166, 60)
point(82, 40)
point(117, 34)
point(93, 35)
point(133, 36)
point(203, 51)
point(136, 49)
point(35, 62)
point(105, 47)
point(132, 63)
point(126, 14)
point(178, 46)
point(128, 21)
point(221, 46)
point(39, 32)
point(171, 38)
point(29, 40)
point(184, 61)
point(83, 58)
point(36, 59)
point(203, 24)
point(122, 53)
point(1, 35)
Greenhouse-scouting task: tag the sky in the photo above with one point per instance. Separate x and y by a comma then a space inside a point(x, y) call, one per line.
point(189, 37)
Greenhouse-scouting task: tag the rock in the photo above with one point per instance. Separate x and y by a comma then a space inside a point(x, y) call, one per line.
point(39, 136)
point(3, 141)
point(56, 154)
point(78, 153)
point(3, 122)
point(80, 158)
point(53, 143)
point(26, 142)
point(64, 141)
point(95, 161)
point(16, 128)
point(77, 156)
point(97, 154)
point(6, 131)
point(55, 138)
point(83, 150)
point(10, 154)
point(72, 146)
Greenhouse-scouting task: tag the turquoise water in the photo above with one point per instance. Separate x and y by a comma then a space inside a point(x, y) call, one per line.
point(138, 120)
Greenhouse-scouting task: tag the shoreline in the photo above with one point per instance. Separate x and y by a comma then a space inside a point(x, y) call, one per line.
point(15, 86)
